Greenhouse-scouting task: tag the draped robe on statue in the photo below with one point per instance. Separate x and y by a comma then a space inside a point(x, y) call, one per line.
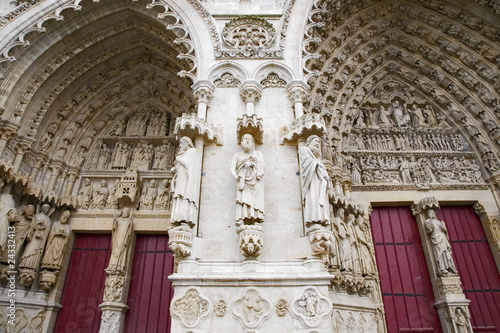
point(185, 191)
point(314, 187)
point(250, 191)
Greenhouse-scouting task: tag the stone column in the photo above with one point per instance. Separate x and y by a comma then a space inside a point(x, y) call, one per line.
point(53, 177)
point(23, 146)
point(250, 93)
point(35, 169)
point(450, 301)
point(7, 131)
point(70, 184)
point(296, 92)
point(202, 91)
point(491, 225)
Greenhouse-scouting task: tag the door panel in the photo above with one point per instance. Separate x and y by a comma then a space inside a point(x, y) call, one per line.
point(475, 264)
point(404, 278)
point(150, 289)
point(84, 285)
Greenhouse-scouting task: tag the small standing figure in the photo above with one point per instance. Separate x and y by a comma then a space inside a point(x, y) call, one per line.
point(149, 195)
point(84, 196)
point(121, 235)
point(247, 168)
point(440, 244)
point(100, 196)
point(28, 264)
point(164, 196)
point(56, 243)
point(315, 182)
point(185, 192)
point(104, 156)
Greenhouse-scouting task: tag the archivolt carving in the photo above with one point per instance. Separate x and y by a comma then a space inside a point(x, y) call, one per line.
point(75, 5)
point(433, 53)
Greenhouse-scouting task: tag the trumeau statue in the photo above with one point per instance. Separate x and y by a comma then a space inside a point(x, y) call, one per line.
point(185, 193)
point(247, 168)
point(121, 236)
point(440, 244)
point(56, 243)
point(315, 182)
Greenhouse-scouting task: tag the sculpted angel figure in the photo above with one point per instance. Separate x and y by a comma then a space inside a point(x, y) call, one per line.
point(247, 168)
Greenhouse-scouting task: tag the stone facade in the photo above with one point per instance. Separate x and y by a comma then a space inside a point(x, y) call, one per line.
point(257, 135)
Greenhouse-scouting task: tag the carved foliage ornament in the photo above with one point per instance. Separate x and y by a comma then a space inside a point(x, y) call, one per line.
point(191, 308)
point(248, 34)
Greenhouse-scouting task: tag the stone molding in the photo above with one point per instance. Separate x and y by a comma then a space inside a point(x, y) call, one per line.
point(191, 125)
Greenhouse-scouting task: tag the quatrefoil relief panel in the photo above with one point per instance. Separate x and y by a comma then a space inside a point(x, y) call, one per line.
point(248, 34)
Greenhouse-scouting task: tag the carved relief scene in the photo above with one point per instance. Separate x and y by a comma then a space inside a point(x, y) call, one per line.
point(249, 165)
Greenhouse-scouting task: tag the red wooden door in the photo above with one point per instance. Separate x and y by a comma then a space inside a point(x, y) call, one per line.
point(150, 289)
point(404, 278)
point(475, 264)
point(84, 285)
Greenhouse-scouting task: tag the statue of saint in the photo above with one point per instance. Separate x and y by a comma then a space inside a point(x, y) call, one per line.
point(100, 195)
point(344, 241)
point(8, 216)
point(34, 249)
point(56, 243)
point(149, 195)
point(365, 246)
point(121, 235)
point(315, 182)
point(164, 196)
point(84, 196)
point(185, 191)
point(440, 244)
point(247, 168)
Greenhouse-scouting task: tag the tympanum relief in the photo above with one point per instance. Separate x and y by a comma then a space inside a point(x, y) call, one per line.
point(405, 143)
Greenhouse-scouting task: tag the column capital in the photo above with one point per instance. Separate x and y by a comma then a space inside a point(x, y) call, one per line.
point(250, 91)
point(202, 91)
point(297, 89)
point(8, 129)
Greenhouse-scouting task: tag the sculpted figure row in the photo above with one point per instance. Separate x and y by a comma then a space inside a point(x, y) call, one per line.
point(32, 243)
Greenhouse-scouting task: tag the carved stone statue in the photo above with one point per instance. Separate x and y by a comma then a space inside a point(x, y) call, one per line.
point(8, 216)
point(440, 244)
point(28, 264)
point(416, 116)
point(315, 182)
point(366, 251)
point(247, 168)
point(56, 243)
point(149, 195)
point(344, 241)
point(185, 192)
point(100, 196)
point(24, 228)
point(104, 157)
point(164, 197)
point(399, 114)
point(84, 196)
point(122, 232)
